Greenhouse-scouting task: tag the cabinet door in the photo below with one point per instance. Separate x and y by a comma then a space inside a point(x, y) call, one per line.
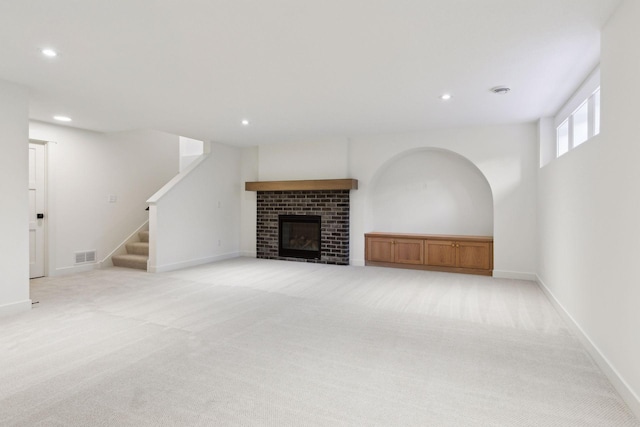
point(441, 253)
point(409, 251)
point(379, 249)
point(474, 255)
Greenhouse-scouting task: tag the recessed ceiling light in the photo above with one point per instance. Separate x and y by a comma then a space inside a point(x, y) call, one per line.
point(49, 52)
point(245, 122)
point(62, 118)
point(446, 97)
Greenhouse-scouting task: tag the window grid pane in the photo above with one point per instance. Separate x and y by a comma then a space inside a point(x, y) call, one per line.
point(563, 138)
point(581, 124)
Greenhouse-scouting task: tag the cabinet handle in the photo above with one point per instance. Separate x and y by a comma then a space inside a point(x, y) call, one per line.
point(453, 245)
point(457, 246)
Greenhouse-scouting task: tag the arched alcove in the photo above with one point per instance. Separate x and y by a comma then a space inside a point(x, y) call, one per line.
point(431, 191)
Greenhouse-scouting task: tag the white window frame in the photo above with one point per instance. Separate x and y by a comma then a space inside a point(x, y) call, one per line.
point(584, 94)
point(567, 121)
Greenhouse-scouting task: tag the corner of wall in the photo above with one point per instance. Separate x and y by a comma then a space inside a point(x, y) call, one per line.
point(514, 275)
point(14, 182)
point(248, 201)
point(15, 308)
point(546, 140)
point(625, 390)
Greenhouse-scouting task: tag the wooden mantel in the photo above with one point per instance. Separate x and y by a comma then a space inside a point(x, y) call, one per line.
point(305, 185)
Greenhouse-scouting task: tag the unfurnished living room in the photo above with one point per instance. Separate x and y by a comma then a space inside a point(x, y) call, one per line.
point(336, 213)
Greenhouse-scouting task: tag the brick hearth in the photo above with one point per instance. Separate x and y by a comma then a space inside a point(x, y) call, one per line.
point(331, 205)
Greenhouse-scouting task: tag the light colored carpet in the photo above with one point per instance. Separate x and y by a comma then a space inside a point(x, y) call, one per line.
point(251, 342)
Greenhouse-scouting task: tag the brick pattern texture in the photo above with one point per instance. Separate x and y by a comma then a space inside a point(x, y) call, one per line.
point(331, 205)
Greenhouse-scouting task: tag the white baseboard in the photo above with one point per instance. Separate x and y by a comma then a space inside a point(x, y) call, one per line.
point(622, 387)
point(191, 263)
point(64, 271)
point(249, 254)
point(15, 307)
point(515, 275)
point(357, 262)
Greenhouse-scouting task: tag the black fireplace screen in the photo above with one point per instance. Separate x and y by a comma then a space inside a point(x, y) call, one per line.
point(299, 236)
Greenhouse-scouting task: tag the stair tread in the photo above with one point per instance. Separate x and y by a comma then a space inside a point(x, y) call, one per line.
point(131, 256)
point(138, 248)
point(131, 261)
point(137, 255)
point(138, 245)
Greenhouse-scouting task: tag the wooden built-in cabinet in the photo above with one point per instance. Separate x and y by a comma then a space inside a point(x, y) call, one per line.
point(459, 254)
point(401, 251)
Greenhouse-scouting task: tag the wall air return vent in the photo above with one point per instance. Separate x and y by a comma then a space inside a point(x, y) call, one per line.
point(90, 256)
point(85, 257)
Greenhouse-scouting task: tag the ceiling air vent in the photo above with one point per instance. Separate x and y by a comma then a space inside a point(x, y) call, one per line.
point(85, 257)
point(501, 90)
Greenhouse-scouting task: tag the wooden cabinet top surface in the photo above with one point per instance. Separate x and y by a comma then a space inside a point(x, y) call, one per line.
point(429, 236)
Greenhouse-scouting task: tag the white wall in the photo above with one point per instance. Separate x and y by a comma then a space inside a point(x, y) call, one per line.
point(589, 216)
point(432, 192)
point(249, 202)
point(14, 201)
point(190, 150)
point(325, 159)
point(506, 155)
point(85, 168)
point(195, 219)
point(547, 140)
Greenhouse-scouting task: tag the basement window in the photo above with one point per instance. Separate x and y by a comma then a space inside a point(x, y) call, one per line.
point(579, 120)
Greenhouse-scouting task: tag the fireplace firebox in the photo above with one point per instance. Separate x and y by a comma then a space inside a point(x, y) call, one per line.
point(299, 236)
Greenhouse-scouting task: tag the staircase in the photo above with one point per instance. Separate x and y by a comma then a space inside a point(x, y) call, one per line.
point(137, 254)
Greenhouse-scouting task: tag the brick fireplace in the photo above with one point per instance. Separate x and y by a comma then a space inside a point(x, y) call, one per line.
point(330, 205)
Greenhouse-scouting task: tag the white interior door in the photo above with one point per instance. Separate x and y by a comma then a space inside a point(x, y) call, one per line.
point(36, 210)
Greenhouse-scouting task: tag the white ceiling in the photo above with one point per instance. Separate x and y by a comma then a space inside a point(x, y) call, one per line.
point(298, 69)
